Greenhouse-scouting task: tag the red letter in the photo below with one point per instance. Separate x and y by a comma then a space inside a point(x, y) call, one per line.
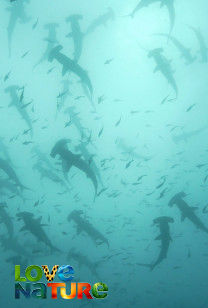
point(85, 291)
point(54, 287)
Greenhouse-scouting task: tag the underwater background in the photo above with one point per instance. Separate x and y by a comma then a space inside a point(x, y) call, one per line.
point(103, 148)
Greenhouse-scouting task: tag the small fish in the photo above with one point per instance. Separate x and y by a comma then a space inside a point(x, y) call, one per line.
point(160, 185)
point(35, 24)
point(201, 165)
point(6, 77)
point(162, 193)
point(22, 95)
point(100, 99)
point(108, 61)
point(135, 111)
point(206, 177)
point(12, 197)
point(164, 99)
point(25, 54)
point(190, 107)
point(102, 190)
point(141, 177)
point(26, 105)
point(205, 209)
point(26, 131)
point(27, 142)
point(36, 203)
point(79, 97)
point(176, 267)
point(67, 124)
point(62, 94)
point(129, 163)
point(100, 132)
point(118, 122)
point(50, 70)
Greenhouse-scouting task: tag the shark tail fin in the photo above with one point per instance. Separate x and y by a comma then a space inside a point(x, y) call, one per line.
point(150, 266)
point(129, 15)
point(22, 187)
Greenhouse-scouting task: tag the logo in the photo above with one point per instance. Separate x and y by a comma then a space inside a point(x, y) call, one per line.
point(31, 287)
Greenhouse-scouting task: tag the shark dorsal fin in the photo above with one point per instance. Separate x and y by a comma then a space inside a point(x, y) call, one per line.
point(159, 237)
point(183, 217)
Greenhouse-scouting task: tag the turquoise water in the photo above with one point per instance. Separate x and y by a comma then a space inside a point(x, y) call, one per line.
point(124, 88)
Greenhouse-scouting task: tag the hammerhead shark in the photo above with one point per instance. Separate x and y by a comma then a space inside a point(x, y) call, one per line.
point(76, 121)
point(5, 166)
point(169, 4)
point(17, 13)
point(76, 34)
point(187, 211)
point(83, 225)
point(66, 92)
point(35, 227)
point(4, 150)
point(186, 136)
point(203, 47)
point(6, 219)
point(82, 148)
point(51, 40)
point(163, 65)
point(129, 150)
point(100, 20)
point(69, 159)
point(184, 51)
point(18, 104)
point(7, 185)
point(49, 174)
point(70, 66)
point(164, 237)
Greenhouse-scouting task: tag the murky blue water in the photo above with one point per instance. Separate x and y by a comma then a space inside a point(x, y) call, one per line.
point(125, 87)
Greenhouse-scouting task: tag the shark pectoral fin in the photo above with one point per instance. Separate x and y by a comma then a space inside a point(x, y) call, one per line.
point(156, 69)
point(78, 230)
point(159, 237)
point(64, 70)
point(69, 34)
point(23, 229)
point(66, 166)
point(183, 217)
point(194, 208)
point(39, 219)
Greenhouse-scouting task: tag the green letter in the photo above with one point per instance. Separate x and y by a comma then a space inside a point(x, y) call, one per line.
point(99, 287)
point(17, 274)
point(29, 270)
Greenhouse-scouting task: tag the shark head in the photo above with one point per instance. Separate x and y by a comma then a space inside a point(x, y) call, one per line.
point(74, 17)
point(163, 219)
point(155, 52)
point(51, 25)
point(74, 214)
point(176, 197)
point(54, 52)
point(59, 146)
point(23, 215)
